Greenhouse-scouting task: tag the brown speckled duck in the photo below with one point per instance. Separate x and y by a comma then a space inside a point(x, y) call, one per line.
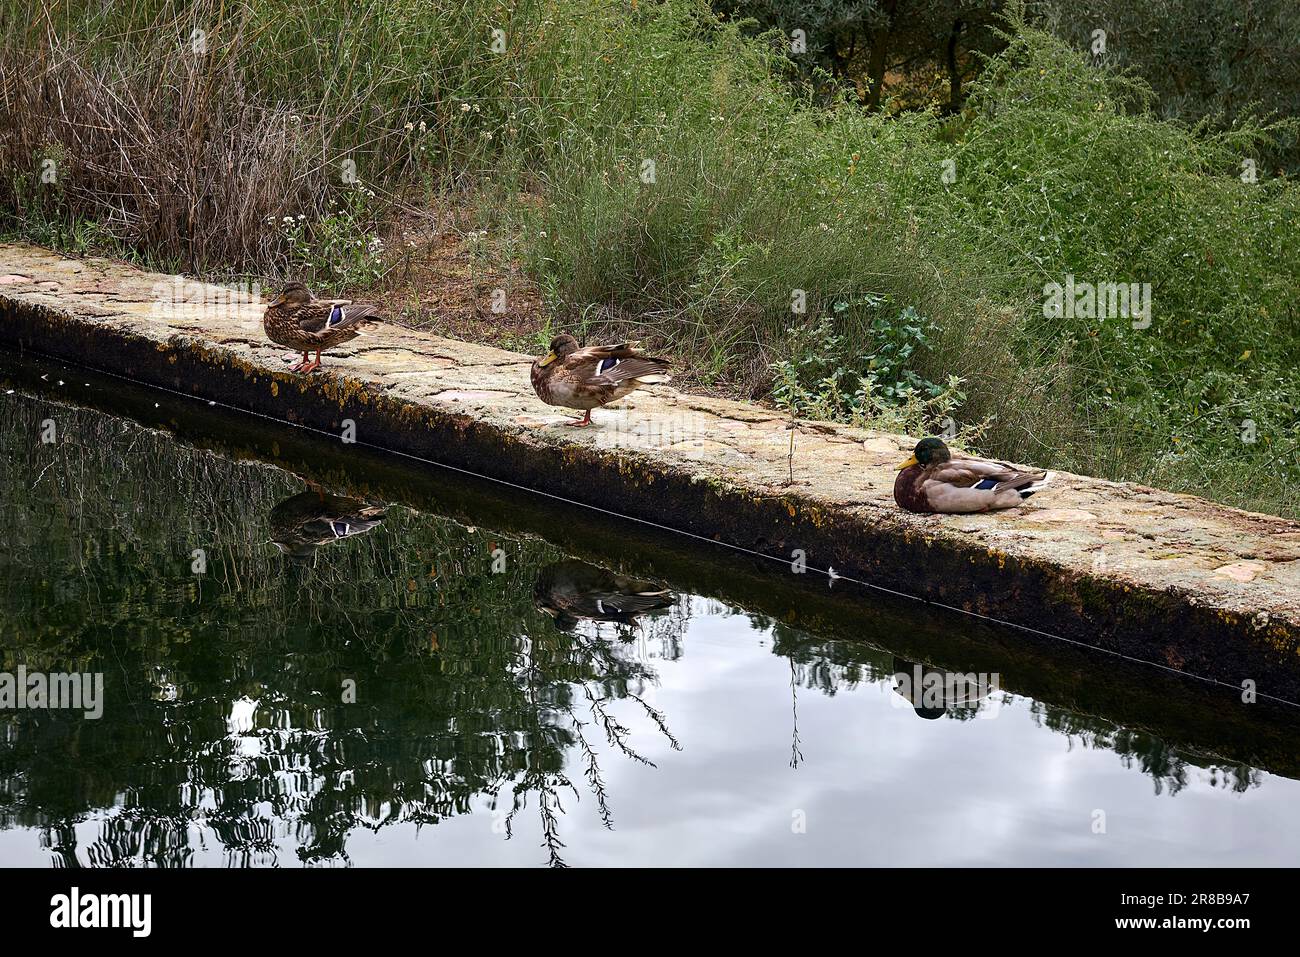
point(297, 319)
point(569, 591)
point(304, 522)
point(587, 378)
point(935, 479)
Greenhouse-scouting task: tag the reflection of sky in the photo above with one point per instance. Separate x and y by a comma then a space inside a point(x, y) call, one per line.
point(877, 785)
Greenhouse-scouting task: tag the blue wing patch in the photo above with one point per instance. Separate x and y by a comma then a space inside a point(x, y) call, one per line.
point(336, 316)
point(986, 484)
point(606, 365)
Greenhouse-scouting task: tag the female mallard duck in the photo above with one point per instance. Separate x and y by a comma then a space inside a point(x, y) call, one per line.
point(304, 522)
point(297, 319)
point(578, 378)
point(936, 480)
point(571, 590)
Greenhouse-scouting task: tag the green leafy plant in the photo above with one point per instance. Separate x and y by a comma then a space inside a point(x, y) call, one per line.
point(340, 248)
point(824, 378)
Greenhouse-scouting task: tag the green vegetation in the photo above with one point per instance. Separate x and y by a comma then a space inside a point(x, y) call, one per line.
point(657, 162)
point(1208, 61)
point(1213, 61)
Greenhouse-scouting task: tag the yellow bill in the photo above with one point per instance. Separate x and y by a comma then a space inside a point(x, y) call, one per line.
point(910, 462)
point(550, 357)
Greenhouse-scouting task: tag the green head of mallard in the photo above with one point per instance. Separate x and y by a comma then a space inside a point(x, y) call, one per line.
point(561, 346)
point(928, 452)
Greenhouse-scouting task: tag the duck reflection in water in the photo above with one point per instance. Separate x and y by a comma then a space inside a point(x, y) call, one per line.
point(932, 692)
point(304, 522)
point(570, 591)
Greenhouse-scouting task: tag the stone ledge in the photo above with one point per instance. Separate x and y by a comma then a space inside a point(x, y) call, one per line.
point(1169, 578)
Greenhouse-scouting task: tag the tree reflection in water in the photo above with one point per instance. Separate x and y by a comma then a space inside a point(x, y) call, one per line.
point(290, 696)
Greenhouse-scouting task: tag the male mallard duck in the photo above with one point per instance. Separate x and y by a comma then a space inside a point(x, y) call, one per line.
point(936, 480)
point(578, 378)
point(932, 693)
point(570, 590)
point(297, 319)
point(304, 522)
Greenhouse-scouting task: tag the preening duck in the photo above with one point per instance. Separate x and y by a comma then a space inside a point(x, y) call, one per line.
point(304, 522)
point(587, 378)
point(569, 591)
point(297, 319)
point(935, 479)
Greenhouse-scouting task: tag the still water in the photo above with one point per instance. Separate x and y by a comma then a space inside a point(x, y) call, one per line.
point(321, 661)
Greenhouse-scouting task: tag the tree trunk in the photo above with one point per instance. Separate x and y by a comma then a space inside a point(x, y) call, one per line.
point(954, 72)
point(831, 50)
point(878, 59)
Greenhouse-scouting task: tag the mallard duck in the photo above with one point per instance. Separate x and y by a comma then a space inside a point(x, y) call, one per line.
point(297, 319)
point(571, 590)
point(932, 693)
point(936, 480)
point(304, 522)
point(578, 378)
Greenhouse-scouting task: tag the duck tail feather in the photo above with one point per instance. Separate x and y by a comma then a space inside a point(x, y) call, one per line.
point(1037, 486)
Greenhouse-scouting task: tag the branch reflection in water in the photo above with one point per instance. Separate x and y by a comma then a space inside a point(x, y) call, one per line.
point(379, 666)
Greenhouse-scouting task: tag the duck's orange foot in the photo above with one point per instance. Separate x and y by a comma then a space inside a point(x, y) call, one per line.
point(579, 423)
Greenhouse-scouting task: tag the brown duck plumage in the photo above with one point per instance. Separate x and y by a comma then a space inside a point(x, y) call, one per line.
point(304, 522)
point(937, 480)
point(587, 378)
point(571, 590)
point(297, 319)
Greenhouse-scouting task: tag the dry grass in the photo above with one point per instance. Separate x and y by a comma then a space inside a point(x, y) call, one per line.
point(447, 278)
point(158, 151)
